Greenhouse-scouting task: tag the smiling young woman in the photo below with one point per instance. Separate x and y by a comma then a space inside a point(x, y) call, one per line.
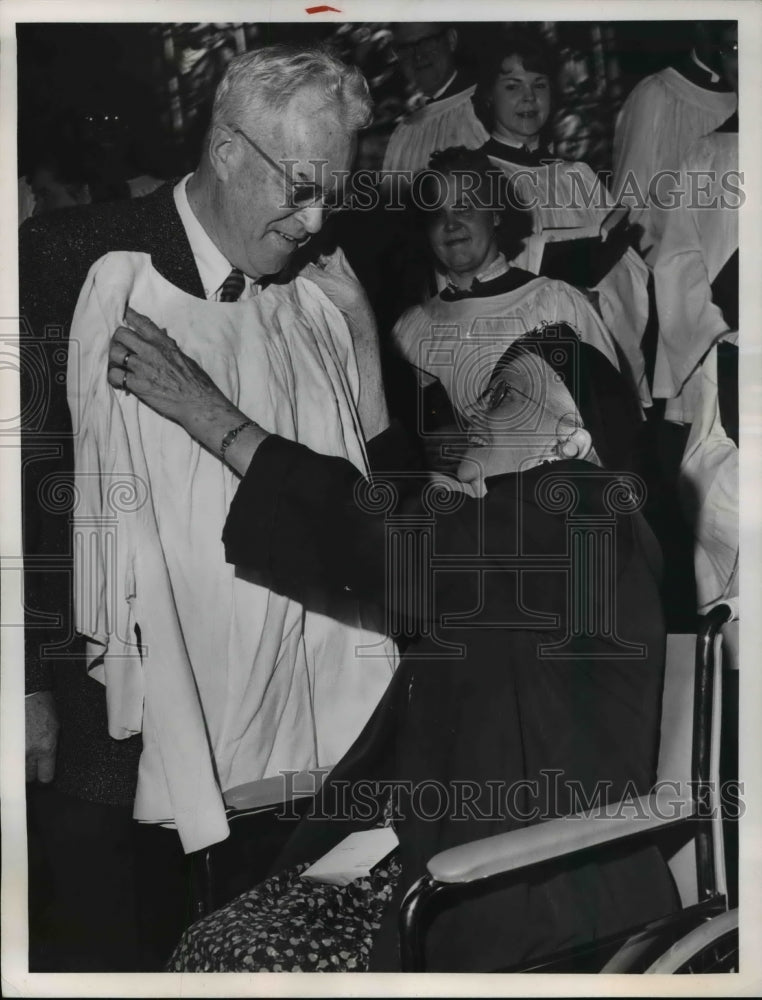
point(568, 202)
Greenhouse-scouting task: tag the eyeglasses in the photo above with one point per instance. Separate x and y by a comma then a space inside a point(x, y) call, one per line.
point(299, 194)
point(494, 394)
point(424, 46)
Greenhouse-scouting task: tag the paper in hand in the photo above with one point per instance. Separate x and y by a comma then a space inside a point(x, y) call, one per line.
point(353, 858)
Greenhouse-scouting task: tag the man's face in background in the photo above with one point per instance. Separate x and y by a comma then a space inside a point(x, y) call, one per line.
point(426, 53)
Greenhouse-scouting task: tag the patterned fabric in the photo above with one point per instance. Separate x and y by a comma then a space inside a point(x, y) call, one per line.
point(288, 924)
point(232, 286)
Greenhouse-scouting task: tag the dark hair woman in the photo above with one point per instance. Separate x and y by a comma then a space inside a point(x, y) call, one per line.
point(472, 232)
point(577, 234)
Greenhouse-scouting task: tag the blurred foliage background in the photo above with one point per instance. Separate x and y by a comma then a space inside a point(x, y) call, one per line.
point(152, 84)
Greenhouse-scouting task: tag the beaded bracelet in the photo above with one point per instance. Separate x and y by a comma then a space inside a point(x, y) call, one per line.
point(230, 437)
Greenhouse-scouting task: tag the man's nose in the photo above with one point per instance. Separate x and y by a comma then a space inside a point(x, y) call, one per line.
point(452, 222)
point(311, 217)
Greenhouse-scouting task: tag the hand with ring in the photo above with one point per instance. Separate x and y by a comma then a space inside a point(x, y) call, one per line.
point(125, 372)
point(146, 362)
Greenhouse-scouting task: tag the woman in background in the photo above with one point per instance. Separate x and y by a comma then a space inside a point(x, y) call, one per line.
point(576, 237)
point(469, 234)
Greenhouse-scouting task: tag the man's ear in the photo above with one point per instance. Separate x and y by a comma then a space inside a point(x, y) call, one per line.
point(576, 444)
point(452, 39)
point(221, 149)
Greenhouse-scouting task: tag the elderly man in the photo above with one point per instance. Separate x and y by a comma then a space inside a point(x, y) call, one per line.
point(662, 117)
point(226, 681)
point(427, 55)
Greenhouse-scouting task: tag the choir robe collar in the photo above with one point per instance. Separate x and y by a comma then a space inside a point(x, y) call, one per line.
point(518, 154)
point(511, 279)
point(459, 83)
point(688, 68)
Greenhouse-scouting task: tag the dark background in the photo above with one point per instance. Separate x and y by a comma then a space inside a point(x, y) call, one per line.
point(66, 71)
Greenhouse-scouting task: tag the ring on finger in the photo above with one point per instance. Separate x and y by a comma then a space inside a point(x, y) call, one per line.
point(126, 358)
point(124, 382)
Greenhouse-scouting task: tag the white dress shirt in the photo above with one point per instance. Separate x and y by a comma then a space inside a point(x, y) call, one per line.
point(213, 266)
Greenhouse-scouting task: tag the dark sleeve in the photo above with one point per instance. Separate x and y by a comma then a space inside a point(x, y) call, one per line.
point(392, 451)
point(48, 289)
point(304, 525)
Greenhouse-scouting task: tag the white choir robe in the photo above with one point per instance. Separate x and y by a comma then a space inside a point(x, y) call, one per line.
point(231, 682)
point(460, 342)
point(709, 475)
point(697, 242)
point(450, 121)
point(568, 201)
point(662, 117)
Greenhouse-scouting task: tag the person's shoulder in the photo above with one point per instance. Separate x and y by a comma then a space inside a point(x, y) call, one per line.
point(548, 289)
point(411, 317)
point(650, 88)
point(73, 231)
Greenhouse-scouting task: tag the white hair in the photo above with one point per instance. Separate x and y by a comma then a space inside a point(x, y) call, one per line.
point(265, 80)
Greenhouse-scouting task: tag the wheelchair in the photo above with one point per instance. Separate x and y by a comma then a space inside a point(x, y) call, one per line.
point(683, 813)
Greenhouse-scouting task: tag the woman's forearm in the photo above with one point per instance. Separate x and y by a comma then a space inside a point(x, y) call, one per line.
point(371, 406)
point(225, 431)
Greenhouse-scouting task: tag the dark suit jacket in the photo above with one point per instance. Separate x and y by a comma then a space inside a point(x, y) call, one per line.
point(56, 252)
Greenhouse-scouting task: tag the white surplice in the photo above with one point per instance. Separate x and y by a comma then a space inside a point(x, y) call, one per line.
point(450, 121)
point(662, 117)
point(698, 240)
point(231, 682)
point(460, 342)
point(709, 474)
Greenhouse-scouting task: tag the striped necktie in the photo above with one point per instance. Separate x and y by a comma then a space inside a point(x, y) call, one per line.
point(232, 286)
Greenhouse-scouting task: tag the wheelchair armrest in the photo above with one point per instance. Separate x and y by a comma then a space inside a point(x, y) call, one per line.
point(532, 845)
point(269, 792)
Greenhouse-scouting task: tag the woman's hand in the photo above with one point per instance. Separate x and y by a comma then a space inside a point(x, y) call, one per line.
point(147, 362)
point(333, 275)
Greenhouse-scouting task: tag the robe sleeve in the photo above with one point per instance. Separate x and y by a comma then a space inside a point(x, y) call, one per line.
point(310, 526)
point(635, 152)
point(709, 475)
point(105, 480)
point(689, 321)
